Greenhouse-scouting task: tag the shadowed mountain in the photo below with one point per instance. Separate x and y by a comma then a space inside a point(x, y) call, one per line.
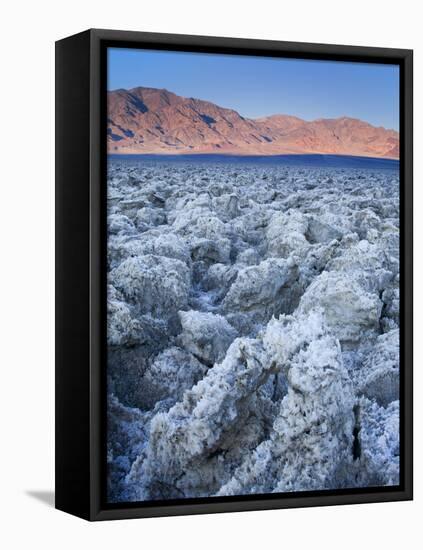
point(149, 120)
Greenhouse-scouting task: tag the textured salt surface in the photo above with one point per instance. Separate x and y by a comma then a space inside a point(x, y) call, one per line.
point(253, 315)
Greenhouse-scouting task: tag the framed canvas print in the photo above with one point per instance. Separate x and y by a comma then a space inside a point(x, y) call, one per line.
point(234, 274)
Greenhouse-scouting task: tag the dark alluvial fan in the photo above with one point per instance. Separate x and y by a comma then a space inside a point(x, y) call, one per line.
point(253, 342)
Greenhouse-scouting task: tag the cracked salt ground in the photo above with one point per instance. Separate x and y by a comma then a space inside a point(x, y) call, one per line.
point(253, 316)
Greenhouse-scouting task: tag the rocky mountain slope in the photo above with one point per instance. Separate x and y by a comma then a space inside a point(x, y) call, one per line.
point(149, 120)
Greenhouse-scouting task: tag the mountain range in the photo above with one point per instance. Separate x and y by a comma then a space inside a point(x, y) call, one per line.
point(149, 120)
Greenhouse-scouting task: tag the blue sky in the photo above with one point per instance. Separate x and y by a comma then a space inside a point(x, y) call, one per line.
point(258, 86)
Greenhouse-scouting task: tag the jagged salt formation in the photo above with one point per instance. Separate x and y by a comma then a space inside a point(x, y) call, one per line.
point(253, 316)
point(310, 443)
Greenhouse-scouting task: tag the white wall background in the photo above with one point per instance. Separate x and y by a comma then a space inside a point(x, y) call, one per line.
point(29, 29)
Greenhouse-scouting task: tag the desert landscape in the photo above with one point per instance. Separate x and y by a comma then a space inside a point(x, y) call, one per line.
point(149, 120)
point(253, 309)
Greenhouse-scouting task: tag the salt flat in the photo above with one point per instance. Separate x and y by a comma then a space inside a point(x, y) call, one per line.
point(253, 316)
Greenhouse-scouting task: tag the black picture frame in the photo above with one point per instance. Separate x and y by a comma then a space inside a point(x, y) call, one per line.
point(80, 272)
